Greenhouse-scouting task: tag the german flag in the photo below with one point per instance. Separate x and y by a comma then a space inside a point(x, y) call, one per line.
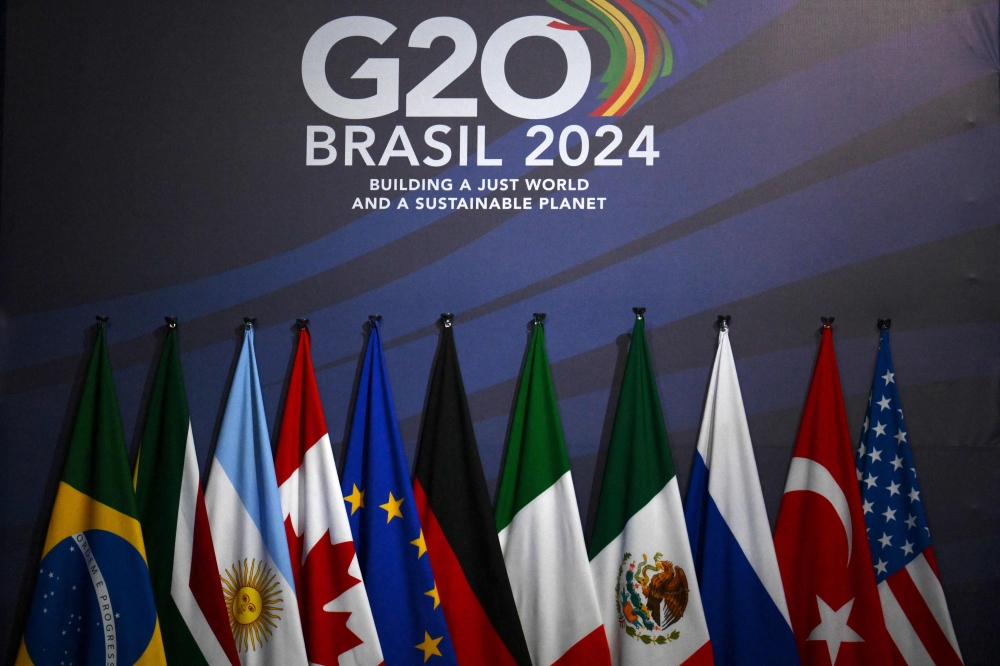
point(459, 532)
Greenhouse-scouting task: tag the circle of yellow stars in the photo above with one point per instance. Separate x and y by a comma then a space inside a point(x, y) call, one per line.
point(356, 499)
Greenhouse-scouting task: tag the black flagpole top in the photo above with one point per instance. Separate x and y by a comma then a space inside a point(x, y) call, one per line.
point(639, 312)
point(249, 322)
point(375, 318)
point(884, 324)
point(447, 318)
point(101, 320)
point(171, 322)
point(303, 323)
point(723, 322)
point(827, 321)
point(539, 316)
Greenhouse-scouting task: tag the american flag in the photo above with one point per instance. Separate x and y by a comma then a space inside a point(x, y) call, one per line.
point(913, 603)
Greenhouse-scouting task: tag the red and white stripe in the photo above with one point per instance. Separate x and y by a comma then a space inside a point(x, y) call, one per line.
point(314, 510)
point(916, 614)
point(195, 576)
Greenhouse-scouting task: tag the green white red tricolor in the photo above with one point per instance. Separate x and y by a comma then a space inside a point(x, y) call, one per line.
point(540, 530)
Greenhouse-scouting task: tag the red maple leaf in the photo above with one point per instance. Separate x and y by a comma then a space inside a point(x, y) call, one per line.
point(323, 577)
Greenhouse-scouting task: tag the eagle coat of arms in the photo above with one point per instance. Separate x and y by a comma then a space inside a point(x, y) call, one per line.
point(650, 597)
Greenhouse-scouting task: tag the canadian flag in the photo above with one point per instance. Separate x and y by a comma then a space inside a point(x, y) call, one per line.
point(820, 538)
point(336, 617)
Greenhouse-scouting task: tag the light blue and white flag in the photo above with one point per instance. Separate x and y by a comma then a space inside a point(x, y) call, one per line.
point(730, 537)
point(244, 511)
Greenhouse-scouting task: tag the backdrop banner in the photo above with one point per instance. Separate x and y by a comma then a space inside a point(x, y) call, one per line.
point(774, 160)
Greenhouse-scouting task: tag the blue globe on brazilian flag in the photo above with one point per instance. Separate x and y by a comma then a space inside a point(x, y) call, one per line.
point(93, 601)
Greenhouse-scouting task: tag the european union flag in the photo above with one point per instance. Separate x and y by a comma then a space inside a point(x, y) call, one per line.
point(387, 534)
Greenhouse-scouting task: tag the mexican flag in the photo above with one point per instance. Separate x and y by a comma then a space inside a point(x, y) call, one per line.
point(640, 555)
point(182, 566)
point(540, 531)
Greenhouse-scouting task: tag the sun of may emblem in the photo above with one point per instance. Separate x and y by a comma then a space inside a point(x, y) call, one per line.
point(650, 597)
point(253, 603)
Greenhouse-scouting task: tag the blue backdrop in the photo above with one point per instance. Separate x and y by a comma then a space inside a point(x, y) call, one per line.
point(815, 158)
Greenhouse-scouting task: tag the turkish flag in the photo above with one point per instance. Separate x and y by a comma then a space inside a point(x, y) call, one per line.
point(336, 616)
point(820, 538)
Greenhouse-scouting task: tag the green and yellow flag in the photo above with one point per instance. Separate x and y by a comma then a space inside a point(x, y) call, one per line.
point(93, 602)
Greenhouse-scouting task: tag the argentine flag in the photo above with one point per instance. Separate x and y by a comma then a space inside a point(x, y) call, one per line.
point(244, 511)
point(730, 537)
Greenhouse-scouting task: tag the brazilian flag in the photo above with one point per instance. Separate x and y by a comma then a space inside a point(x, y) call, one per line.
point(93, 602)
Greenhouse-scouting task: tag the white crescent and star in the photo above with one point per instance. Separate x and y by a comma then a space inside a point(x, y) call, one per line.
point(808, 475)
point(833, 628)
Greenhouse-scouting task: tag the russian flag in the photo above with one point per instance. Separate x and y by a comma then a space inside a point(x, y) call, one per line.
point(735, 562)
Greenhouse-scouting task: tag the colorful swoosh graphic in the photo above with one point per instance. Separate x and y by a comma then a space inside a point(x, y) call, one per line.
point(640, 49)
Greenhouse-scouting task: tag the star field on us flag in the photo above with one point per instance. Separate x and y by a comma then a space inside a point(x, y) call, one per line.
point(894, 514)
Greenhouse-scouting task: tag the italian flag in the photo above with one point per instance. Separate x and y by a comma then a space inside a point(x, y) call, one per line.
point(182, 565)
point(539, 527)
point(640, 555)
